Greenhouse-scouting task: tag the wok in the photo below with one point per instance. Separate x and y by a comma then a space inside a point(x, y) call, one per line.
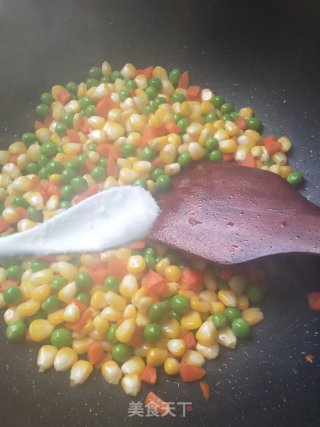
point(264, 54)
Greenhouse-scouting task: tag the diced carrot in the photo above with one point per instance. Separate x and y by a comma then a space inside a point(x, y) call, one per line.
point(117, 267)
point(139, 244)
point(13, 158)
point(249, 161)
point(191, 280)
point(190, 373)
point(227, 157)
point(155, 402)
point(227, 273)
point(38, 125)
point(138, 338)
point(79, 304)
point(184, 80)
point(89, 165)
point(10, 230)
point(7, 283)
point(172, 127)
point(90, 192)
point(36, 181)
point(189, 339)
point(103, 149)
point(146, 72)
point(149, 375)
point(241, 123)
point(104, 106)
point(81, 323)
point(50, 188)
point(95, 352)
point(84, 127)
point(156, 284)
point(4, 225)
point(47, 121)
point(73, 136)
point(194, 93)
point(63, 96)
point(151, 132)
point(22, 212)
point(204, 387)
point(157, 162)
point(314, 301)
point(98, 273)
point(271, 144)
point(112, 161)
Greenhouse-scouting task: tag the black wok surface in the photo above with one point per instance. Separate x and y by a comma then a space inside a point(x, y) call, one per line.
point(264, 54)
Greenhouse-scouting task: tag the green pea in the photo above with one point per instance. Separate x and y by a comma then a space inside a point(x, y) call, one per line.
point(90, 110)
point(156, 173)
point(234, 115)
point(211, 117)
point(111, 334)
point(67, 175)
point(67, 192)
point(72, 87)
point(124, 94)
point(48, 149)
point(163, 182)
point(174, 315)
point(51, 304)
point(60, 129)
point(83, 281)
point(102, 162)
point(38, 265)
point(232, 313)
point(178, 97)
point(218, 101)
point(295, 178)
point(42, 160)
point(57, 283)
point(16, 330)
point(131, 84)
point(152, 332)
point(34, 214)
point(111, 283)
point(43, 110)
point(128, 150)
point(159, 100)
point(150, 252)
point(54, 166)
point(150, 261)
point(215, 155)
point(115, 75)
point(83, 298)
point(43, 173)
point(153, 106)
point(64, 204)
point(20, 201)
point(92, 83)
point(28, 138)
point(180, 304)
point(32, 168)
point(254, 123)
point(141, 183)
point(95, 72)
point(174, 76)
point(121, 352)
point(147, 110)
point(12, 294)
point(240, 327)
point(227, 108)
point(61, 337)
point(269, 162)
point(14, 272)
point(212, 144)
point(158, 311)
point(254, 293)
point(92, 146)
point(219, 320)
point(79, 184)
point(105, 79)
point(183, 124)
point(46, 98)
point(222, 284)
point(81, 160)
point(67, 119)
point(184, 159)
point(155, 82)
point(148, 153)
point(85, 101)
point(71, 164)
point(98, 173)
point(151, 92)
point(177, 117)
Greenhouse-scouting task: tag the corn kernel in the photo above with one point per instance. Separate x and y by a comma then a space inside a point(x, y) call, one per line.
point(71, 313)
point(128, 286)
point(170, 328)
point(125, 330)
point(238, 284)
point(136, 264)
point(198, 304)
point(28, 308)
point(191, 320)
point(171, 366)
point(68, 292)
point(135, 365)
point(208, 352)
point(80, 346)
point(252, 315)
point(227, 338)
point(115, 301)
point(131, 384)
point(156, 356)
point(207, 334)
point(111, 372)
point(194, 358)
point(111, 314)
point(217, 307)
point(80, 372)
point(177, 347)
point(40, 329)
point(65, 358)
point(57, 317)
point(41, 292)
point(227, 297)
point(46, 356)
point(98, 300)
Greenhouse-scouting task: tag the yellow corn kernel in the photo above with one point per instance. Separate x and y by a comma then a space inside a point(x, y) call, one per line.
point(227, 297)
point(206, 107)
point(71, 313)
point(10, 215)
point(185, 109)
point(115, 301)
point(136, 264)
point(227, 146)
point(28, 308)
point(129, 312)
point(193, 358)
point(80, 346)
point(71, 148)
point(142, 350)
point(125, 330)
point(280, 158)
point(172, 273)
point(56, 317)
point(275, 169)
point(4, 157)
point(11, 170)
point(284, 171)
point(111, 372)
point(174, 139)
point(127, 176)
point(207, 334)
point(161, 343)
point(252, 315)
point(128, 286)
point(177, 347)
point(246, 112)
point(285, 144)
point(168, 154)
point(80, 372)
point(26, 288)
point(243, 302)
point(131, 384)
point(113, 130)
point(41, 292)
point(227, 338)
point(67, 270)
point(98, 299)
point(46, 356)
point(11, 315)
point(68, 292)
point(186, 293)
point(156, 356)
point(208, 352)
point(111, 314)
point(209, 296)
point(171, 366)
point(217, 307)
point(162, 265)
point(238, 284)
point(171, 289)
point(196, 151)
point(134, 366)
point(101, 324)
point(142, 319)
point(191, 320)
point(65, 358)
point(171, 328)
point(96, 122)
point(198, 304)
point(22, 184)
point(40, 329)
point(98, 136)
point(142, 167)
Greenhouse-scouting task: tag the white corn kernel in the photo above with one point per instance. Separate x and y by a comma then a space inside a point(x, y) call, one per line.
point(80, 372)
point(227, 338)
point(46, 356)
point(65, 358)
point(194, 358)
point(111, 372)
point(208, 352)
point(131, 384)
point(135, 365)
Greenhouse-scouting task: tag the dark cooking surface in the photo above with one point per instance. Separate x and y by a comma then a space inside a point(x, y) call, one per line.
point(263, 54)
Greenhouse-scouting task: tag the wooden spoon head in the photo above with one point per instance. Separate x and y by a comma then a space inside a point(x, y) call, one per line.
point(231, 214)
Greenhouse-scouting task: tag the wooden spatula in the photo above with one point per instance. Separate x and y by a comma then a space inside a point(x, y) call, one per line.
point(230, 214)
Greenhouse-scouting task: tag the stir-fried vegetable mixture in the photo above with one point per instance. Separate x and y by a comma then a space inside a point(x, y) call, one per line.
point(131, 310)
